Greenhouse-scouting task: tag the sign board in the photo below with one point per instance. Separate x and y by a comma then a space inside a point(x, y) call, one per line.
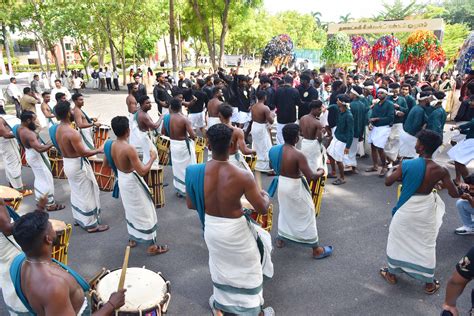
point(387, 26)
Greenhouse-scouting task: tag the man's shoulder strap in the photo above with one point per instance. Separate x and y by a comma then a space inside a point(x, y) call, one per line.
point(52, 134)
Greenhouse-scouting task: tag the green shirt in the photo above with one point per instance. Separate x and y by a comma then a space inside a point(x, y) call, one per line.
point(345, 128)
point(359, 112)
point(415, 120)
point(411, 102)
point(436, 120)
point(466, 129)
point(368, 102)
point(402, 107)
point(385, 112)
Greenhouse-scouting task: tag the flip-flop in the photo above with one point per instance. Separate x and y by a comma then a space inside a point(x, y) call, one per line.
point(160, 249)
point(384, 274)
point(338, 182)
point(331, 176)
point(327, 252)
point(435, 289)
point(99, 229)
point(372, 169)
point(56, 207)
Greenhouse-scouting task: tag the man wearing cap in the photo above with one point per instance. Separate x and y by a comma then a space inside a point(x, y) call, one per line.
point(380, 120)
point(414, 123)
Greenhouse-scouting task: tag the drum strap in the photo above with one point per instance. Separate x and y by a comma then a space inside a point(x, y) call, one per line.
point(11, 242)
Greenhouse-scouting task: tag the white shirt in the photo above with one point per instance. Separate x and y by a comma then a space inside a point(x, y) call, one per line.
point(116, 74)
point(64, 90)
point(2, 98)
point(101, 75)
point(77, 83)
point(13, 91)
point(108, 74)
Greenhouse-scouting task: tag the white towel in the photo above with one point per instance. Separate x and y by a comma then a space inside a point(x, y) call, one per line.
point(85, 201)
point(238, 160)
point(378, 136)
point(296, 217)
point(183, 154)
point(212, 121)
point(143, 143)
point(10, 152)
point(140, 212)
point(407, 145)
point(392, 146)
point(411, 245)
point(261, 143)
point(44, 182)
point(315, 153)
point(87, 135)
point(463, 152)
point(235, 264)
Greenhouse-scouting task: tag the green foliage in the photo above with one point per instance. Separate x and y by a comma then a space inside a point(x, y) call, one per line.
point(454, 37)
point(398, 10)
point(459, 11)
point(338, 50)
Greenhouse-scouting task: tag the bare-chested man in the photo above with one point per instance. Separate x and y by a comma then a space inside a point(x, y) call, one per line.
point(141, 127)
point(35, 154)
point(312, 131)
point(142, 223)
point(237, 145)
point(213, 107)
point(262, 119)
point(296, 219)
point(10, 152)
point(131, 101)
point(84, 123)
point(85, 200)
point(46, 109)
point(180, 131)
point(48, 287)
point(417, 217)
point(234, 259)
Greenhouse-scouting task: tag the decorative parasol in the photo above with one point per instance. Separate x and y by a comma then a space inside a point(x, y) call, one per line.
point(385, 53)
point(361, 50)
point(421, 49)
point(338, 50)
point(465, 60)
point(279, 51)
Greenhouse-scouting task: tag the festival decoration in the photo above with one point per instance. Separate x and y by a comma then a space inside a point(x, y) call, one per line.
point(465, 61)
point(422, 49)
point(338, 51)
point(279, 51)
point(361, 50)
point(385, 53)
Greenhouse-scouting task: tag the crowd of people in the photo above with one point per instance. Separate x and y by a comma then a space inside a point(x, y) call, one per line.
point(301, 127)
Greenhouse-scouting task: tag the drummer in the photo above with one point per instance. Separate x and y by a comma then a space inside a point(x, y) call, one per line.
point(46, 287)
point(84, 123)
point(11, 158)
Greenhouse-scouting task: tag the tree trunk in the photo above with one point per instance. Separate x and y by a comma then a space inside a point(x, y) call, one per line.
point(38, 50)
point(166, 49)
point(52, 49)
point(48, 67)
point(225, 28)
point(124, 69)
point(205, 29)
point(173, 40)
point(6, 43)
point(63, 49)
point(111, 45)
point(2, 62)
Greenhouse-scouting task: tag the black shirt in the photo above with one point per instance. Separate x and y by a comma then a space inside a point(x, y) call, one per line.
point(465, 267)
point(185, 83)
point(333, 115)
point(286, 100)
point(161, 93)
point(208, 90)
point(465, 112)
point(200, 103)
point(306, 96)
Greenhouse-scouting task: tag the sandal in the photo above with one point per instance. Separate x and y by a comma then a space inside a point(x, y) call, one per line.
point(55, 207)
point(327, 252)
point(385, 274)
point(98, 229)
point(437, 285)
point(157, 250)
point(372, 169)
point(339, 182)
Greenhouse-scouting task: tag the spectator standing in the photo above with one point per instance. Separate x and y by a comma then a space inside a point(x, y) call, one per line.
point(77, 83)
point(101, 80)
point(14, 92)
point(35, 86)
point(116, 76)
point(95, 79)
point(108, 78)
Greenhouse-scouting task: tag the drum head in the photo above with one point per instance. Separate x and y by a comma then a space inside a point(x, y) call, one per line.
point(9, 194)
point(145, 289)
point(104, 127)
point(58, 226)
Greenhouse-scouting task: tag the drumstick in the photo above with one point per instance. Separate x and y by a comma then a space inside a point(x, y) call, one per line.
point(124, 268)
point(258, 177)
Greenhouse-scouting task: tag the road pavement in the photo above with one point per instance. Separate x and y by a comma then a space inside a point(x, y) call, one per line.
point(354, 219)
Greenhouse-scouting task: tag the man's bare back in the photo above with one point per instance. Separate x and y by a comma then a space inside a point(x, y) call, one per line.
point(126, 158)
point(294, 164)
point(261, 113)
point(29, 139)
point(238, 142)
point(70, 143)
point(132, 104)
point(213, 107)
point(311, 128)
point(180, 127)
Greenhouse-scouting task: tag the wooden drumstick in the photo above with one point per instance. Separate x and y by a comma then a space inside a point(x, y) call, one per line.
point(258, 177)
point(124, 268)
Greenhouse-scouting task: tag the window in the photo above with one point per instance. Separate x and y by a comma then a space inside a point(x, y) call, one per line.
point(68, 46)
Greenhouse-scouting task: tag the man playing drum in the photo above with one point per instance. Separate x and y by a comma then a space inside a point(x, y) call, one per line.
point(213, 107)
point(84, 123)
point(85, 200)
point(236, 264)
point(180, 131)
point(45, 286)
point(140, 213)
point(11, 157)
point(37, 159)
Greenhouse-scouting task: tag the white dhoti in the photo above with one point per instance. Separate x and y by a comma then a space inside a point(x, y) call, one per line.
point(378, 136)
point(261, 143)
point(9, 250)
point(183, 154)
point(140, 212)
point(279, 134)
point(315, 153)
point(197, 120)
point(143, 143)
point(407, 145)
point(411, 245)
point(212, 121)
point(10, 152)
point(392, 146)
point(236, 263)
point(463, 152)
point(296, 219)
point(235, 115)
point(44, 182)
point(238, 160)
point(336, 150)
point(85, 201)
point(87, 135)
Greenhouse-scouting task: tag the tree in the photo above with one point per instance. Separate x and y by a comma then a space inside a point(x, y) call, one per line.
point(454, 37)
point(338, 50)
point(345, 18)
point(459, 11)
point(317, 17)
point(7, 19)
point(398, 10)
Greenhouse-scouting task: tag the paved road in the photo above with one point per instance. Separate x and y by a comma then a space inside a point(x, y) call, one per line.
point(354, 219)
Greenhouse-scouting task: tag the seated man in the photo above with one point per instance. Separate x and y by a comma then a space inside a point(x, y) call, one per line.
point(140, 213)
point(44, 285)
point(297, 218)
point(237, 261)
point(465, 207)
point(417, 217)
point(463, 274)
